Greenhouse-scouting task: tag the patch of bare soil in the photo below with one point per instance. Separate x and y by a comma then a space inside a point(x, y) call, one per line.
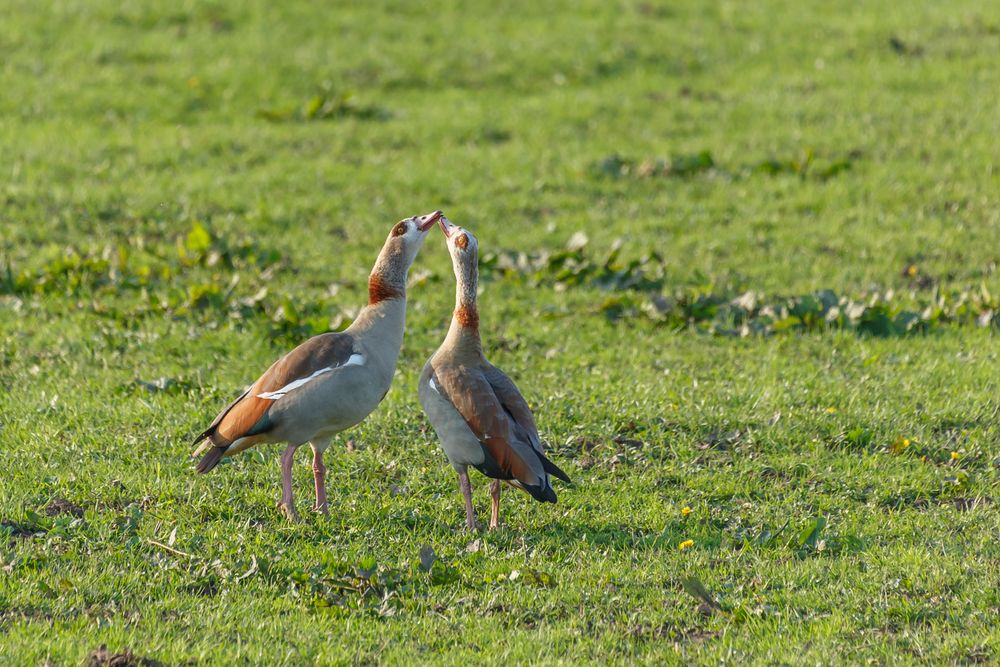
point(102, 657)
point(62, 506)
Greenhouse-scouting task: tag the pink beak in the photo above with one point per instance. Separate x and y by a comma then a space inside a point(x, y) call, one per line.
point(446, 227)
point(424, 222)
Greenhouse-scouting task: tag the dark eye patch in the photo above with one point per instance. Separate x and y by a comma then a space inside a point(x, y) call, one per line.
point(399, 229)
point(462, 241)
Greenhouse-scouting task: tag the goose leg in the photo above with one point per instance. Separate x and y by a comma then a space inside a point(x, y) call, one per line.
point(495, 504)
point(319, 477)
point(286, 504)
point(470, 513)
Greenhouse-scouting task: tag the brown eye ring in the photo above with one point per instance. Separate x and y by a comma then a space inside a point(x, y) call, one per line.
point(399, 229)
point(462, 241)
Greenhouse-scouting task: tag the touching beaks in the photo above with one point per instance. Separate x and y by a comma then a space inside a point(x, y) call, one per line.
point(447, 227)
point(424, 222)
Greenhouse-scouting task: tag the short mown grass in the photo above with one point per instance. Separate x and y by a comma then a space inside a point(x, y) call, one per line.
point(741, 259)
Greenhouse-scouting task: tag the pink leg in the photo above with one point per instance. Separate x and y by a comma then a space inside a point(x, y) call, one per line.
point(287, 505)
point(495, 504)
point(470, 514)
point(319, 476)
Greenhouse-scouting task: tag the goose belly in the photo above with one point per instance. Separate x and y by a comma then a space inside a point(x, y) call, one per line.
point(459, 443)
point(332, 404)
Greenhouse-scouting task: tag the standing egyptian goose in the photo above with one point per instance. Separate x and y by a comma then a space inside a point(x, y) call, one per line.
point(479, 415)
point(328, 383)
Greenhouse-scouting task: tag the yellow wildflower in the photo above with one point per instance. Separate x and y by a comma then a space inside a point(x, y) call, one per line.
point(685, 511)
point(954, 456)
point(685, 544)
point(831, 411)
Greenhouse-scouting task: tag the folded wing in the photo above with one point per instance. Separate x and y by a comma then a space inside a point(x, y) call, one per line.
point(512, 455)
point(515, 405)
point(247, 416)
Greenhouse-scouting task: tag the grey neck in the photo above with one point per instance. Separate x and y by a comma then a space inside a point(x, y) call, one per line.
point(388, 276)
point(379, 329)
point(463, 334)
point(463, 342)
point(381, 323)
point(466, 286)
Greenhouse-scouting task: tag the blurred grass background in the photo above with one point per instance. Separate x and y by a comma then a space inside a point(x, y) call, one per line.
point(187, 189)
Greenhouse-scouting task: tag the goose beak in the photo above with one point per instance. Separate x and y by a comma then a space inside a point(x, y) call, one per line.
point(446, 227)
point(424, 222)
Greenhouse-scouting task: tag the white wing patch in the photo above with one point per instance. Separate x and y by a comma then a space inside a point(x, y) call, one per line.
point(278, 393)
point(354, 360)
point(434, 386)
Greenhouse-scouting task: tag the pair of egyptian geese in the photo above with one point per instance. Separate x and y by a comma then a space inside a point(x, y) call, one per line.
point(333, 381)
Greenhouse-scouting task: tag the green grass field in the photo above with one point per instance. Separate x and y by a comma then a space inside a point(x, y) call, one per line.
point(188, 189)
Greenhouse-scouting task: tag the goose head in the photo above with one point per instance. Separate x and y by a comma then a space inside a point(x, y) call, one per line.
point(408, 235)
point(462, 246)
point(388, 277)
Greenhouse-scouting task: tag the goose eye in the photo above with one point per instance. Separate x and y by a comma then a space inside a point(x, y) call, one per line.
point(462, 241)
point(399, 229)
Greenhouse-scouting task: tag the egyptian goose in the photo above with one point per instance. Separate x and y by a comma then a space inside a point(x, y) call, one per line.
point(328, 383)
point(479, 415)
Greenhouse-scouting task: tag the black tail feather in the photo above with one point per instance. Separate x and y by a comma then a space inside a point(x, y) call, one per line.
point(207, 433)
point(210, 460)
point(553, 469)
point(545, 495)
